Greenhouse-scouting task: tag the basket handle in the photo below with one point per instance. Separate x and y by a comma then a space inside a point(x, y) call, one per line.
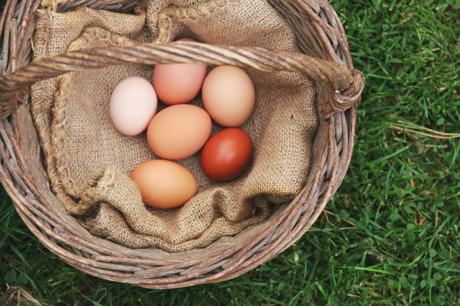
point(343, 87)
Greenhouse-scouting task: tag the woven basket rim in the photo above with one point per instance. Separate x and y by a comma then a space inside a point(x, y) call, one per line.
point(333, 145)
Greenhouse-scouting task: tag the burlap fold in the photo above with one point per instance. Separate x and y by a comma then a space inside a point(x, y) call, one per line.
point(88, 161)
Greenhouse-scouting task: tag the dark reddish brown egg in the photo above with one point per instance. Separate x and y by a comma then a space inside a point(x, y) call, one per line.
point(227, 154)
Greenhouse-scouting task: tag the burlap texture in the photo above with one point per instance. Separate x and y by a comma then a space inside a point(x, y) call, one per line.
point(88, 161)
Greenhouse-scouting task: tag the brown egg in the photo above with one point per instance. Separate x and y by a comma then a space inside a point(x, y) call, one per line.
point(178, 83)
point(227, 154)
point(164, 184)
point(179, 131)
point(228, 95)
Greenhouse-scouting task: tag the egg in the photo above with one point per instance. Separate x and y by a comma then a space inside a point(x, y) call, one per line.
point(178, 83)
point(227, 154)
point(228, 95)
point(179, 131)
point(132, 105)
point(164, 184)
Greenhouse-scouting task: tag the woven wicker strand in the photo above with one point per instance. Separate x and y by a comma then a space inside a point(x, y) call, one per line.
point(345, 85)
point(325, 59)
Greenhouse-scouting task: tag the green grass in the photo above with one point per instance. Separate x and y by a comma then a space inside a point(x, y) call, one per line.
point(391, 234)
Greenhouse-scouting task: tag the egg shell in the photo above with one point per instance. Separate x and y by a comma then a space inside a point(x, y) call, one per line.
point(227, 154)
point(179, 131)
point(178, 83)
point(229, 95)
point(132, 105)
point(164, 184)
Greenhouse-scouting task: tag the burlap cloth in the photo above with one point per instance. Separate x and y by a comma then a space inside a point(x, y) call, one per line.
point(88, 161)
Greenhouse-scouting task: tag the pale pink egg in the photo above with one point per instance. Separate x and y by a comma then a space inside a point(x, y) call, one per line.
point(132, 105)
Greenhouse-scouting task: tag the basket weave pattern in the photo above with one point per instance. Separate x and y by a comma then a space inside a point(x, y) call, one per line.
point(325, 60)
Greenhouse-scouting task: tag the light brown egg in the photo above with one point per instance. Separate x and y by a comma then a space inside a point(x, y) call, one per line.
point(164, 184)
point(179, 131)
point(228, 95)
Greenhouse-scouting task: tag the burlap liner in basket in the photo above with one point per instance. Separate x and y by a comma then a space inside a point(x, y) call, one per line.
point(88, 161)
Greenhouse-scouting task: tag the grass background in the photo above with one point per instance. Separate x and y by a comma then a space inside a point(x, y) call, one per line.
point(391, 234)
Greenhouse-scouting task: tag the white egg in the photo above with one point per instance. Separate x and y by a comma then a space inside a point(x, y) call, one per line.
point(132, 105)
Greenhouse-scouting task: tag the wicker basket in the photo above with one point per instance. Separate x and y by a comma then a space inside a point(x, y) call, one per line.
point(325, 59)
